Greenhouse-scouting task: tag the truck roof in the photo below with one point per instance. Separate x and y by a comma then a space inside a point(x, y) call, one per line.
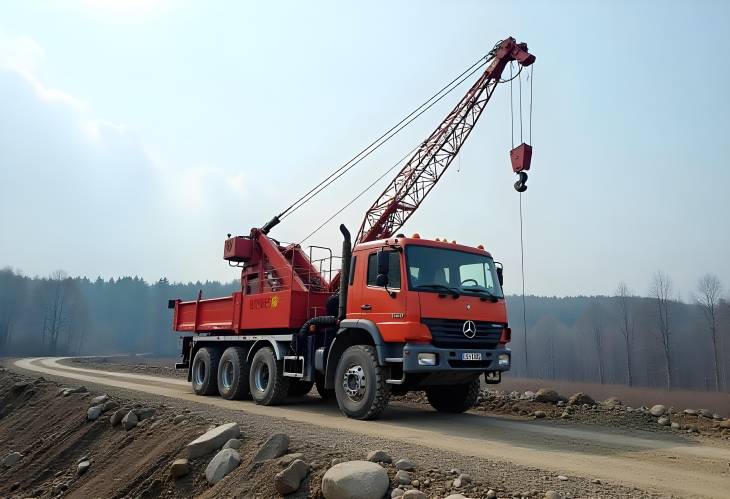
point(406, 241)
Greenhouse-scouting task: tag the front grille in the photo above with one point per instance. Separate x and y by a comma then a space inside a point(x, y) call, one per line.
point(449, 333)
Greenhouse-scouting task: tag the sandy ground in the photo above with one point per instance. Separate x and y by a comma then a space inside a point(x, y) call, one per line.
point(524, 454)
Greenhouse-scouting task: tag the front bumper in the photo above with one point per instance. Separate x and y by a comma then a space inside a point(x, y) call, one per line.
point(449, 359)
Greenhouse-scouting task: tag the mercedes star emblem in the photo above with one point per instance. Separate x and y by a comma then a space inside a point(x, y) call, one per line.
point(469, 329)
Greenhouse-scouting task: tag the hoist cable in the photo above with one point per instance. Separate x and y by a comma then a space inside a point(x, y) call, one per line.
point(511, 108)
point(521, 141)
point(532, 77)
point(349, 203)
point(524, 309)
point(377, 143)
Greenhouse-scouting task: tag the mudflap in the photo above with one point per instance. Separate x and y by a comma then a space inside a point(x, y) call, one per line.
point(492, 377)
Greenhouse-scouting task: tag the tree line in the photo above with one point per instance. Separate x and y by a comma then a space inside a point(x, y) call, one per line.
point(654, 340)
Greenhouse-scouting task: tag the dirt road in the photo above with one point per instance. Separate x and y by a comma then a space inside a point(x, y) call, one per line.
point(666, 464)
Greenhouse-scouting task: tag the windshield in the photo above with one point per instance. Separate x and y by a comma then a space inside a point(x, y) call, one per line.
point(443, 270)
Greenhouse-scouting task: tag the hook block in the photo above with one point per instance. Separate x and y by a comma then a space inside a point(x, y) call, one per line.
point(521, 157)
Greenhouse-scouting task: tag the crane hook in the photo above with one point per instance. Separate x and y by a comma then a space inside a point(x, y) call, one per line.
point(521, 184)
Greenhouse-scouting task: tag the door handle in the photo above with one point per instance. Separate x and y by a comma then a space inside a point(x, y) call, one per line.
point(366, 307)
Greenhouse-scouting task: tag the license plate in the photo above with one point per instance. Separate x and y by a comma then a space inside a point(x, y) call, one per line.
point(471, 356)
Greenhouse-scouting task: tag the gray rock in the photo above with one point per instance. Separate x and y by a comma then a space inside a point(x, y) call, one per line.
point(658, 410)
point(725, 424)
point(548, 396)
point(414, 494)
point(109, 405)
point(93, 413)
point(223, 463)
point(405, 464)
point(19, 386)
point(129, 421)
point(355, 480)
point(565, 415)
point(179, 468)
point(675, 425)
point(465, 478)
point(397, 492)
point(562, 478)
point(612, 401)
point(457, 496)
point(117, 417)
point(402, 477)
point(12, 459)
point(491, 494)
point(379, 456)
point(289, 479)
point(690, 412)
point(179, 418)
point(705, 413)
point(213, 440)
point(596, 481)
point(551, 494)
point(144, 413)
point(581, 398)
point(233, 443)
point(83, 467)
point(290, 458)
point(528, 395)
point(663, 421)
point(539, 414)
point(99, 400)
point(275, 446)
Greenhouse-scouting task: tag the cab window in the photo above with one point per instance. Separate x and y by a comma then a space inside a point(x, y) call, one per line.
point(393, 269)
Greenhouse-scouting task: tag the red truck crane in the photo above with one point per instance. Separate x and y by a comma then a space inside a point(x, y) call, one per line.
point(403, 313)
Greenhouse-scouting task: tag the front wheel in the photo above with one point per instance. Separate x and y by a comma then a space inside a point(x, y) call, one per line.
point(205, 371)
point(266, 379)
point(455, 398)
point(360, 383)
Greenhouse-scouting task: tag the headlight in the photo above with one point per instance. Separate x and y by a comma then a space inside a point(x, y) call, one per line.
point(426, 359)
point(503, 360)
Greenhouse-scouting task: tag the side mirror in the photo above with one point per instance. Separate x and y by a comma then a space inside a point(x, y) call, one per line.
point(383, 260)
point(500, 273)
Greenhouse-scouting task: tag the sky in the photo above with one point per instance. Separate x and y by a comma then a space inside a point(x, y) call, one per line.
point(135, 134)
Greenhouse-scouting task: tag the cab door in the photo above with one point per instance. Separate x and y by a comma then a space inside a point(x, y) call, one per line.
point(384, 305)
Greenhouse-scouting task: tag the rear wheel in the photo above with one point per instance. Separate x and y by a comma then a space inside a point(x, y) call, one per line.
point(233, 374)
point(205, 371)
point(266, 379)
point(454, 398)
point(299, 388)
point(325, 393)
point(360, 386)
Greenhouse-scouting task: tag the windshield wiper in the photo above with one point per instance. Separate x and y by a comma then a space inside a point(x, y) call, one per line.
point(454, 292)
point(483, 293)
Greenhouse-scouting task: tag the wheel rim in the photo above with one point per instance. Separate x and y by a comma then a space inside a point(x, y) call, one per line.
point(199, 373)
point(354, 383)
point(261, 377)
point(227, 374)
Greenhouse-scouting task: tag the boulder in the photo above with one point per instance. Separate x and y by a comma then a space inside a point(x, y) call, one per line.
point(397, 492)
point(414, 494)
point(379, 456)
point(405, 464)
point(545, 395)
point(676, 426)
point(355, 480)
point(457, 496)
point(612, 401)
point(562, 478)
point(690, 412)
point(223, 463)
point(491, 494)
point(539, 414)
point(658, 410)
point(19, 386)
point(275, 446)
point(290, 458)
point(179, 418)
point(99, 400)
point(233, 443)
point(663, 421)
point(83, 467)
point(12, 459)
point(129, 421)
point(179, 468)
point(93, 413)
point(705, 413)
point(528, 395)
point(402, 477)
point(212, 440)
point(289, 479)
point(581, 398)
point(117, 417)
point(109, 405)
point(551, 494)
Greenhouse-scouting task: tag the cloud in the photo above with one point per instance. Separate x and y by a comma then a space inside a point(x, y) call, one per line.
point(20, 53)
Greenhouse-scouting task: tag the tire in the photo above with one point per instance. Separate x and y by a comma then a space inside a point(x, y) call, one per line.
point(205, 371)
point(266, 378)
point(233, 371)
point(324, 393)
point(455, 398)
point(299, 388)
point(367, 393)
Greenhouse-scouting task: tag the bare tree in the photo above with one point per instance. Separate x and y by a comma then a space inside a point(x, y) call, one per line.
point(55, 319)
point(596, 315)
point(627, 326)
point(661, 291)
point(710, 290)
